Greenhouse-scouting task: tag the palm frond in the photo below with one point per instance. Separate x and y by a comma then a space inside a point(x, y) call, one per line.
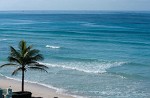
point(38, 65)
point(15, 72)
point(38, 57)
point(37, 68)
point(13, 59)
point(26, 58)
point(22, 46)
point(14, 52)
point(33, 52)
point(9, 64)
point(29, 48)
point(29, 62)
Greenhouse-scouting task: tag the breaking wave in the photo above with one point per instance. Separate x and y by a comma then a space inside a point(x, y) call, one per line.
point(58, 90)
point(52, 47)
point(88, 67)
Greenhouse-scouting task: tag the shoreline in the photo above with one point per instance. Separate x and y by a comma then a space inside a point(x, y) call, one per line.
point(36, 89)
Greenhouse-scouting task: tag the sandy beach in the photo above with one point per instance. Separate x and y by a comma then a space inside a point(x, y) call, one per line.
point(37, 90)
point(89, 53)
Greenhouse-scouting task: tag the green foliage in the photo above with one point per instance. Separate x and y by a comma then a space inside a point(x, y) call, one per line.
point(25, 58)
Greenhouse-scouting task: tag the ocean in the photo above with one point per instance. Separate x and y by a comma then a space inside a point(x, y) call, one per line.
point(89, 54)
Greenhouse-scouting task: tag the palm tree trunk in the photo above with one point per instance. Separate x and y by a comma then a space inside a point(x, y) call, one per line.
point(23, 80)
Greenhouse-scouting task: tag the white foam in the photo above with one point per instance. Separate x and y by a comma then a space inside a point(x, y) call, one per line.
point(89, 67)
point(18, 22)
point(88, 24)
point(53, 47)
point(3, 39)
point(58, 90)
point(2, 75)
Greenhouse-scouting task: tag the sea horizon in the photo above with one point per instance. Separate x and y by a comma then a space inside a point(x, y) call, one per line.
point(72, 11)
point(94, 54)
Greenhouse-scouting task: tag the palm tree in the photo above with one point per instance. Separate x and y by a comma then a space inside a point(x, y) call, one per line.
point(24, 58)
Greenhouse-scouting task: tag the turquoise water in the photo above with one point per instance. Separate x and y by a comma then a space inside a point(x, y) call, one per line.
point(93, 54)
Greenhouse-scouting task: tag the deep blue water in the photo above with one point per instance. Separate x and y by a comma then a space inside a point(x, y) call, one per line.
point(94, 55)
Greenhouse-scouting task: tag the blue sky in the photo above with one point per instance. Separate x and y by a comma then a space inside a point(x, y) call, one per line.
point(134, 5)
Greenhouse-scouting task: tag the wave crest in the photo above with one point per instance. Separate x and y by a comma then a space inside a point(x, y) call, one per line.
point(58, 90)
point(53, 47)
point(3, 39)
point(88, 67)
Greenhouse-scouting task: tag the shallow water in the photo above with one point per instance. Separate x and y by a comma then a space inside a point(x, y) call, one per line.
point(91, 55)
